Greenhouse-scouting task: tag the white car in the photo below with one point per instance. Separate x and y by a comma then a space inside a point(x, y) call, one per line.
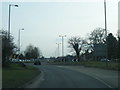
point(105, 59)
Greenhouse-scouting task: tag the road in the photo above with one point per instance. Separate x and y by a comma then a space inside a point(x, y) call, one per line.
point(55, 76)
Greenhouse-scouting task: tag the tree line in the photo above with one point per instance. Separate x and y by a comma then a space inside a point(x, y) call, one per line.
point(77, 44)
point(97, 36)
point(10, 50)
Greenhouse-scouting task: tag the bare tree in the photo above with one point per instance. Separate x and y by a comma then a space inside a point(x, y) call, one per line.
point(97, 36)
point(76, 43)
point(32, 52)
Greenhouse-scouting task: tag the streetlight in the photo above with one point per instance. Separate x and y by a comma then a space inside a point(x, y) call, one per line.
point(9, 18)
point(19, 40)
point(119, 33)
point(62, 44)
point(58, 48)
point(105, 26)
point(119, 43)
point(106, 32)
point(105, 18)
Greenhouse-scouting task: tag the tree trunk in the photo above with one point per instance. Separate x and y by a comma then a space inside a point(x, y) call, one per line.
point(78, 56)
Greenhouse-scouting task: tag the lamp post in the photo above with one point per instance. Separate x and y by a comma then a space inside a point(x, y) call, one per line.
point(105, 26)
point(58, 48)
point(10, 5)
point(119, 33)
point(19, 40)
point(105, 18)
point(106, 33)
point(62, 44)
point(119, 44)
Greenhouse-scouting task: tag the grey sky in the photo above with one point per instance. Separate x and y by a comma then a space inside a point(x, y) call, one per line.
point(45, 21)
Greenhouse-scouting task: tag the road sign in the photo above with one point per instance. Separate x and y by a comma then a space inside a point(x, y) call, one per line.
point(100, 50)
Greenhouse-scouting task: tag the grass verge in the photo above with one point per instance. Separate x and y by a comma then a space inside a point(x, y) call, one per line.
point(104, 65)
point(96, 64)
point(16, 75)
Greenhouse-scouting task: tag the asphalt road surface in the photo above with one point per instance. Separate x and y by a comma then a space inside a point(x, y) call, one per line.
point(54, 76)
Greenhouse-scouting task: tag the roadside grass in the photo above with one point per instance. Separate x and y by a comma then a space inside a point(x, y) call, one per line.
point(16, 75)
point(104, 65)
point(97, 64)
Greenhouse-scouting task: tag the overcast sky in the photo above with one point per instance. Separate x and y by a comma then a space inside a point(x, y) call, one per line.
point(43, 22)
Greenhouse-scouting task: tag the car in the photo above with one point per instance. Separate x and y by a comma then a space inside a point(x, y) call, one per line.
point(104, 59)
point(37, 63)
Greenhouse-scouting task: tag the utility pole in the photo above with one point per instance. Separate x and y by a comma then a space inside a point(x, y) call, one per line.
point(106, 33)
point(105, 18)
point(62, 44)
point(19, 41)
point(10, 5)
point(58, 48)
point(119, 44)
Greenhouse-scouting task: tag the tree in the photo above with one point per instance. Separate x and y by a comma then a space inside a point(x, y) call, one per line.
point(8, 47)
point(97, 36)
point(112, 46)
point(76, 43)
point(35, 53)
point(32, 52)
point(28, 51)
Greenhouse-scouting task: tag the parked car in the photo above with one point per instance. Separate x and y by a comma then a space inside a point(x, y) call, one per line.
point(37, 63)
point(105, 59)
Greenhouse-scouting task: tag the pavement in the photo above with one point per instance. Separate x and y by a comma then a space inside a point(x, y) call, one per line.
point(61, 76)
